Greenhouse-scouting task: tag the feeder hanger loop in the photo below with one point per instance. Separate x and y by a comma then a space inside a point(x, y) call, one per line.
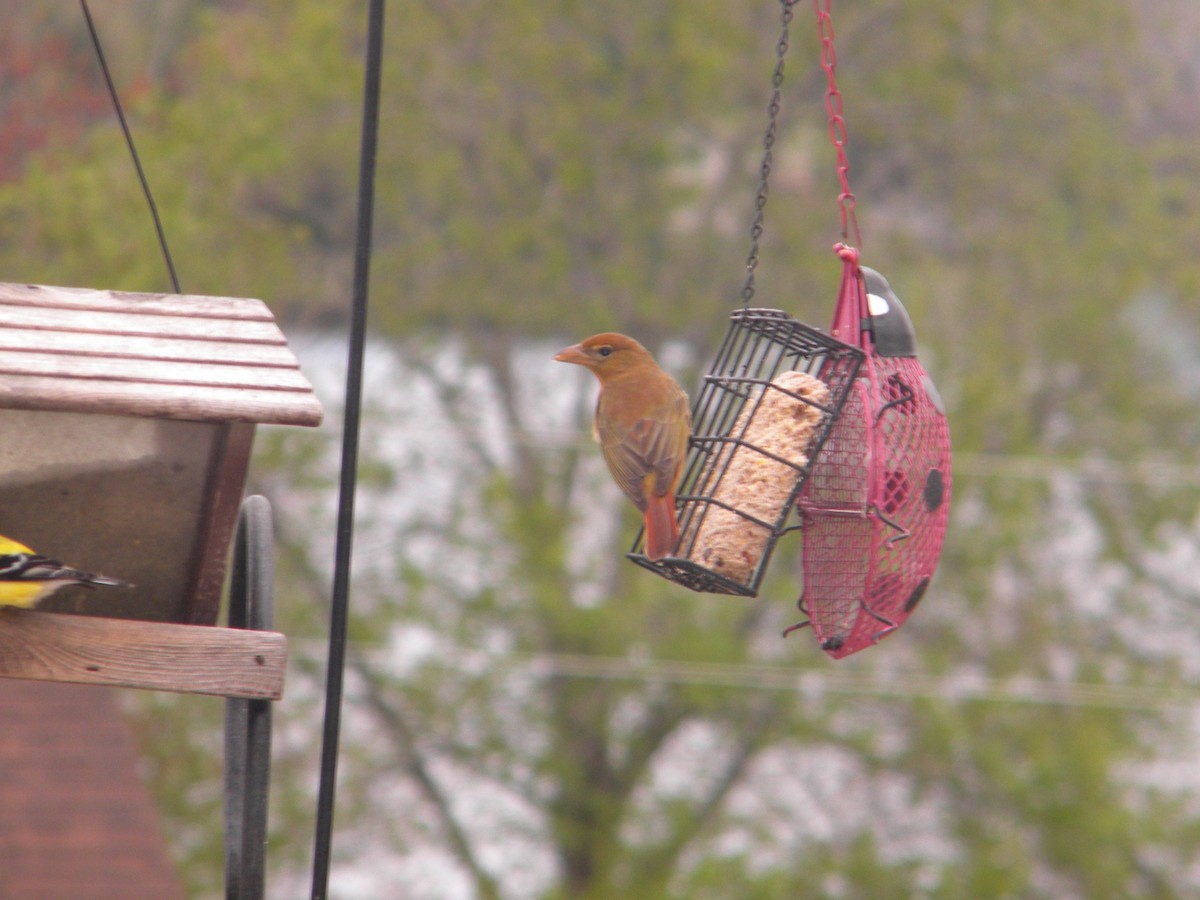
point(851, 316)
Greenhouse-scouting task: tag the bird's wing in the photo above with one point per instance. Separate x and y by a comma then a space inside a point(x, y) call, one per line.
point(653, 444)
point(670, 442)
point(626, 462)
point(34, 567)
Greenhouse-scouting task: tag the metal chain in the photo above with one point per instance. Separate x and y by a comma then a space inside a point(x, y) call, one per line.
point(760, 200)
point(837, 121)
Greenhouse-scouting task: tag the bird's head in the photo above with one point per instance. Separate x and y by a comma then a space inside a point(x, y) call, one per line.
point(607, 354)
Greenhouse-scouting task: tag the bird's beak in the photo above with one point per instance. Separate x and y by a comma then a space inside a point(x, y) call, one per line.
point(572, 354)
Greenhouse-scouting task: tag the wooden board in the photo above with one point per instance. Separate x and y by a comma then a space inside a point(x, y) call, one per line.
point(119, 323)
point(126, 368)
point(222, 500)
point(134, 346)
point(181, 356)
point(190, 305)
point(190, 659)
point(157, 400)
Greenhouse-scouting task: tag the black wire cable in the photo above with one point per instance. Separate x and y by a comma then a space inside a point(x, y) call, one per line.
point(137, 163)
point(350, 430)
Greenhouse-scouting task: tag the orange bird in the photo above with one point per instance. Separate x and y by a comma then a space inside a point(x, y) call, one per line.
point(642, 423)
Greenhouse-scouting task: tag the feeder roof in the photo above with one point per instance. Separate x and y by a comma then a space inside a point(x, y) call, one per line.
point(175, 356)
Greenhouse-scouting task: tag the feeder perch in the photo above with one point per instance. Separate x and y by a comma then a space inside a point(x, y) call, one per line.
point(874, 509)
point(758, 424)
point(126, 423)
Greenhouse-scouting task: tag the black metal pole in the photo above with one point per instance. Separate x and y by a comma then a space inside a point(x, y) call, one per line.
point(350, 430)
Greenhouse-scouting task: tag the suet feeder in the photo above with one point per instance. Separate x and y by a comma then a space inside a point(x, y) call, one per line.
point(126, 424)
point(758, 424)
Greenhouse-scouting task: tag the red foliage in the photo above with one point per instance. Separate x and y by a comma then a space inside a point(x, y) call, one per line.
point(51, 89)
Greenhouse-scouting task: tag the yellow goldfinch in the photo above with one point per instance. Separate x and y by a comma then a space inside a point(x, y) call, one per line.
point(27, 577)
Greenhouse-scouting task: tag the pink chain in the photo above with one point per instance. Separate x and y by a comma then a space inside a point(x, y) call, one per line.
point(837, 121)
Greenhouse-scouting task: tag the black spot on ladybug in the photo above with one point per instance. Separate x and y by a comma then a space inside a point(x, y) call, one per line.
point(935, 489)
point(915, 597)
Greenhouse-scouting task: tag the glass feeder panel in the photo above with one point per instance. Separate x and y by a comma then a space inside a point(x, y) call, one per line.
point(122, 496)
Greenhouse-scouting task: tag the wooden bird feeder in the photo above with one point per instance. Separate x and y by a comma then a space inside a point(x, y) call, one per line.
point(126, 423)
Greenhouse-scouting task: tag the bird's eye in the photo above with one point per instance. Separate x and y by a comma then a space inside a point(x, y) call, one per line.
point(605, 351)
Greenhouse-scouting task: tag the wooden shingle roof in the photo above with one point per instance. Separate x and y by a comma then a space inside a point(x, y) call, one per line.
point(178, 356)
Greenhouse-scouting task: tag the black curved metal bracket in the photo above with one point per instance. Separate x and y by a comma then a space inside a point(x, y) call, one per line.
point(248, 722)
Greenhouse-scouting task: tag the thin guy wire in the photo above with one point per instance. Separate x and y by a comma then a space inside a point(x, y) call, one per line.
point(137, 163)
point(786, 677)
point(340, 602)
point(760, 200)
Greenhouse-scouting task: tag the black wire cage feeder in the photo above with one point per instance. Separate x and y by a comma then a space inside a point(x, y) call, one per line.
point(765, 409)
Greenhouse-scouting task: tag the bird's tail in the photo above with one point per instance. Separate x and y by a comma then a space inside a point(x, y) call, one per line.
point(662, 529)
